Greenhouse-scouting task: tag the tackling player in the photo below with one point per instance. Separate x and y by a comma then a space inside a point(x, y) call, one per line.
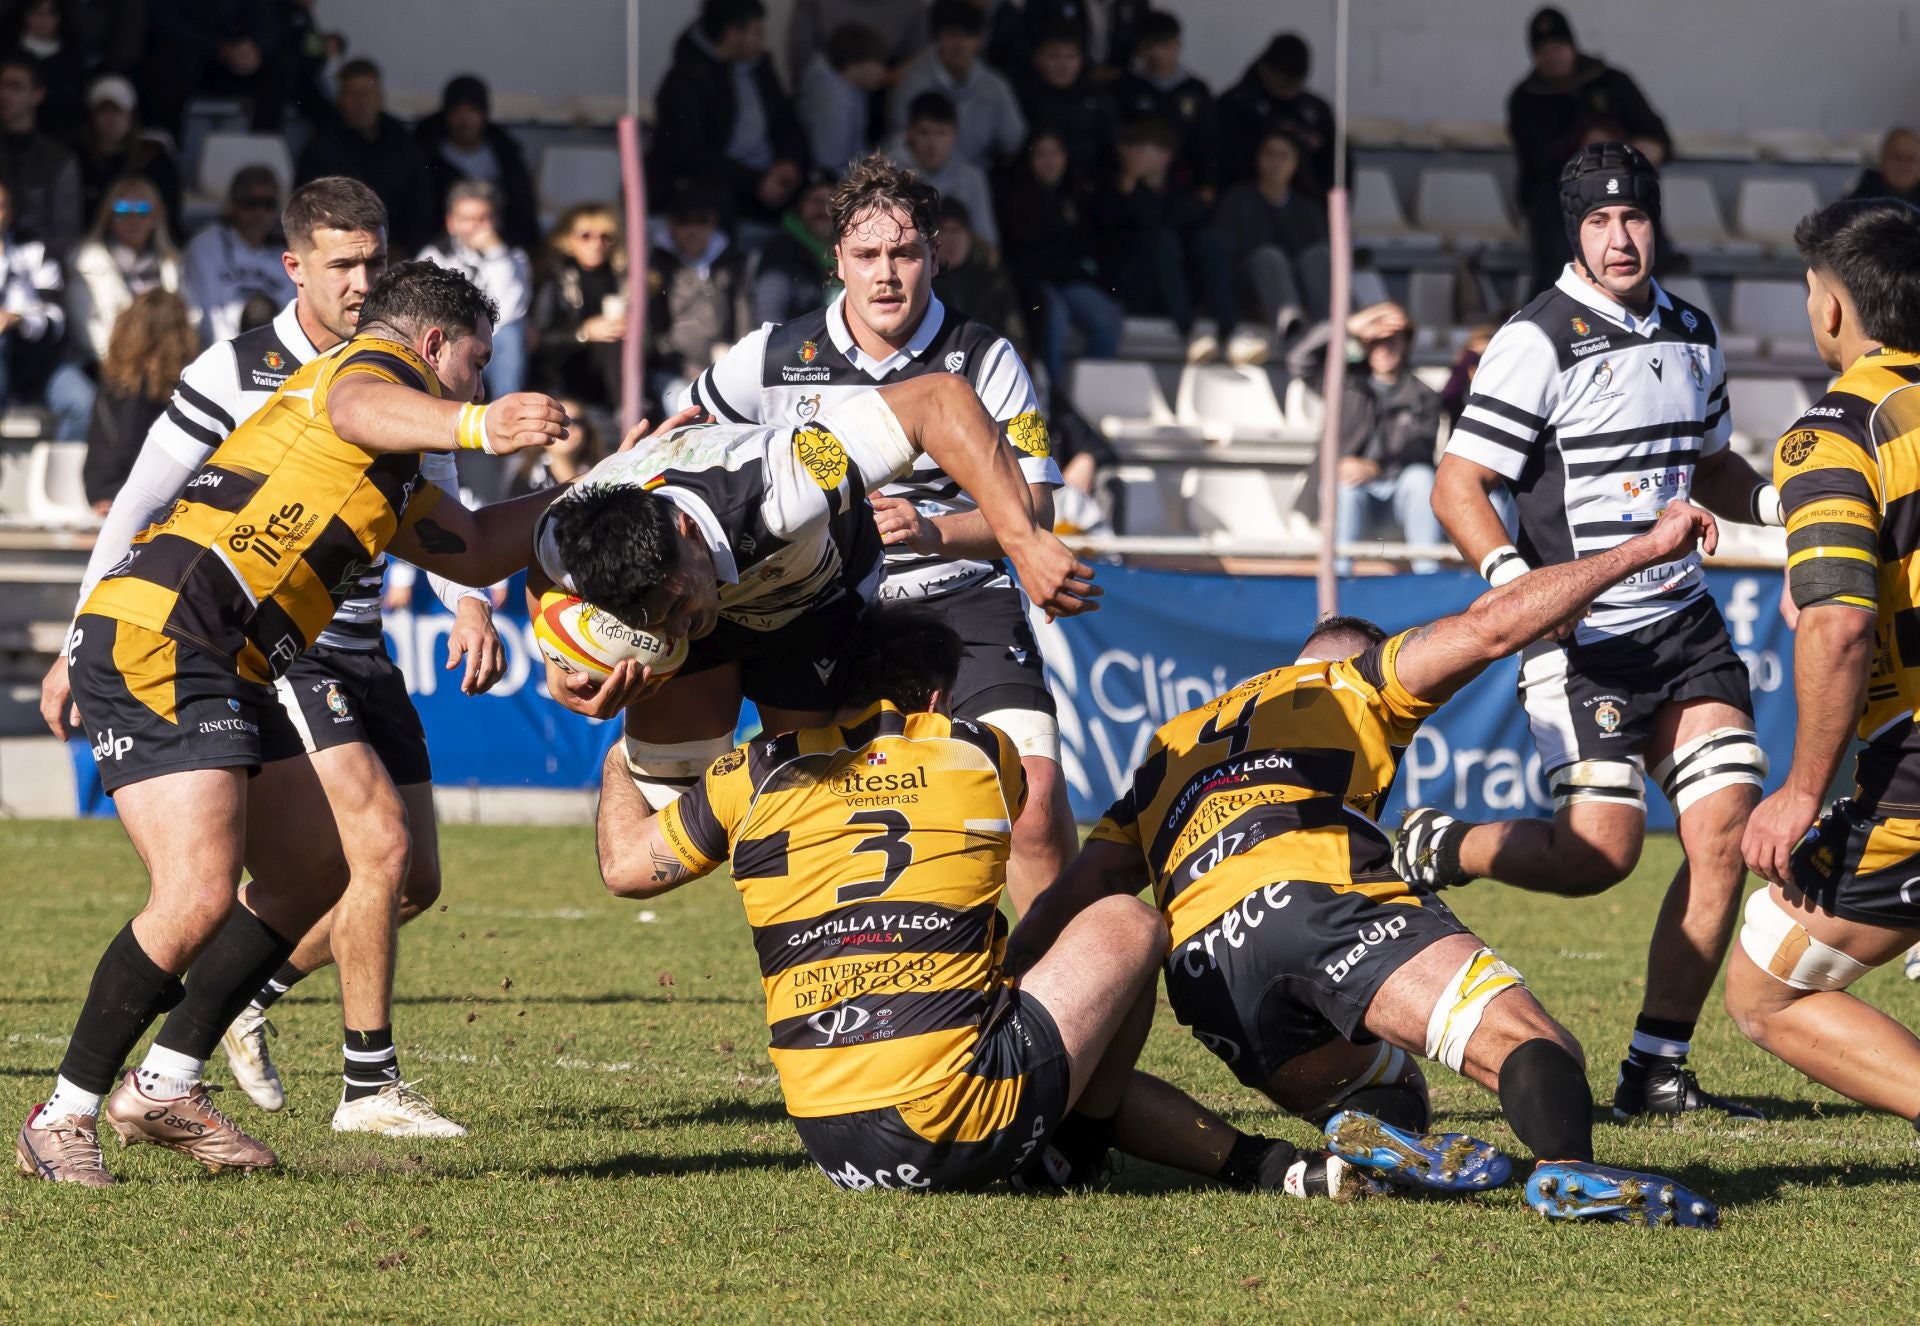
point(1298, 954)
point(172, 661)
point(1602, 400)
point(755, 542)
point(345, 695)
point(1840, 899)
point(870, 854)
point(888, 327)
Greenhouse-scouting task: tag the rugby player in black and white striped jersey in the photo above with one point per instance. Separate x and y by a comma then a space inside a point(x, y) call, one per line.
point(889, 327)
point(1595, 405)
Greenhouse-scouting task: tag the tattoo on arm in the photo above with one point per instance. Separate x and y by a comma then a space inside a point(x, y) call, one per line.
point(437, 538)
point(667, 868)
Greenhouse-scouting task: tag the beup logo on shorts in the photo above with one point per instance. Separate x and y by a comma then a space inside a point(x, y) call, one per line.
point(808, 352)
point(1797, 447)
point(1581, 326)
point(107, 746)
point(336, 701)
point(1606, 715)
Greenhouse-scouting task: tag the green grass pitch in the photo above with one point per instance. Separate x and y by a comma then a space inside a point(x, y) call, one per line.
point(630, 1159)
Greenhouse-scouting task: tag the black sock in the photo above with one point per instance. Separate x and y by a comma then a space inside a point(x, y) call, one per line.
point(372, 1063)
point(128, 992)
point(278, 984)
point(1656, 1041)
point(1397, 1103)
point(1257, 1163)
point(225, 978)
point(1544, 1094)
point(1083, 1142)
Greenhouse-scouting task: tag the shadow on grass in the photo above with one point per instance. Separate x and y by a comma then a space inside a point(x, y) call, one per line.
point(638, 1166)
point(1781, 1109)
point(632, 1118)
point(1767, 1181)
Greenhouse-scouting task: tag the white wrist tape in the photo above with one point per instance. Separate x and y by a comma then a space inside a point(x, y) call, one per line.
point(1766, 506)
point(1502, 565)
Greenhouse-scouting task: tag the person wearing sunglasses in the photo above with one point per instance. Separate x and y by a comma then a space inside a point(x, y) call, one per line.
point(579, 309)
point(128, 252)
point(237, 256)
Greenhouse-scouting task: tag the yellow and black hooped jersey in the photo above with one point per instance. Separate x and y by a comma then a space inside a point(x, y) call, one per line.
point(1281, 778)
point(1849, 478)
point(870, 858)
point(272, 533)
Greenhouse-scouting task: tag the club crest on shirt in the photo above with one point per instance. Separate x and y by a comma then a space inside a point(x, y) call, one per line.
point(809, 352)
point(1688, 321)
point(955, 360)
point(727, 763)
point(1581, 327)
point(1028, 433)
point(1796, 447)
point(820, 454)
point(274, 360)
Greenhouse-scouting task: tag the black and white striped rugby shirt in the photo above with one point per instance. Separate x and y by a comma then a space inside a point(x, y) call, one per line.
point(790, 373)
point(1596, 418)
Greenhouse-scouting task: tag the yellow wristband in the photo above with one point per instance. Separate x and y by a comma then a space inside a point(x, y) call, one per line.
point(470, 428)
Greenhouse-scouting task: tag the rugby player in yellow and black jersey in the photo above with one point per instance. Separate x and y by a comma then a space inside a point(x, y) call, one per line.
point(1294, 946)
point(171, 658)
point(871, 855)
point(1844, 894)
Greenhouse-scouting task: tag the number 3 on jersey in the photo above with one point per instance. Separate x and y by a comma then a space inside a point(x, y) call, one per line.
point(892, 845)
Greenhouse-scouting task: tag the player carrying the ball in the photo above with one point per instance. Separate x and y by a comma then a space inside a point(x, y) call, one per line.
point(755, 543)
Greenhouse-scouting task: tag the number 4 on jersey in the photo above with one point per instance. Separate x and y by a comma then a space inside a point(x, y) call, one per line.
point(1236, 734)
point(892, 845)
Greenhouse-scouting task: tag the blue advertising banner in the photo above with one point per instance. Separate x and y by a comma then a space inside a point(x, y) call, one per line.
point(1165, 641)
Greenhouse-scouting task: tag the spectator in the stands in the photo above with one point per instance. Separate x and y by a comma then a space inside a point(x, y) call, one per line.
point(796, 272)
point(1273, 94)
point(1059, 95)
point(1453, 396)
point(313, 58)
point(927, 147)
point(127, 253)
point(238, 256)
point(112, 33)
point(971, 278)
point(698, 286)
point(724, 116)
point(39, 27)
point(473, 244)
point(1047, 216)
point(213, 48)
point(537, 469)
point(1278, 238)
point(1161, 253)
point(113, 146)
point(833, 94)
point(1159, 88)
point(33, 368)
point(579, 316)
point(991, 125)
point(258, 311)
point(367, 144)
point(1549, 115)
point(41, 173)
point(152, 341)
point(1898, 173)
point(461, 142)
point(1389, 430)
point(1105, 31)
point(901, 26)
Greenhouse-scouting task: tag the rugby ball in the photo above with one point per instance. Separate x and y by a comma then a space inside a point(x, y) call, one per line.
point(575, 636)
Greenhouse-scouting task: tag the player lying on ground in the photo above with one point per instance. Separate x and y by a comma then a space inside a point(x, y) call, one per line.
point(1602, 399)
point(1296, 946)
point(172, 661)
point(346, 696)
point(870, 854)
point(1841, 900)
point(756, 542)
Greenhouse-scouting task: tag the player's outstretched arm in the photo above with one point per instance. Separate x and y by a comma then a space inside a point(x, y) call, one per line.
point(635, 860)
point(941, 416)
point(1726, 484)
point(1101, 870)
point(379, 415)
point(473, 547)
point(1437, 660)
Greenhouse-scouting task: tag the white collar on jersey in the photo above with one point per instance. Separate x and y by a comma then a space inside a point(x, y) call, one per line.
point(1573, 287)
point(723, 564)
point(286, 325)
point(842, 337)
